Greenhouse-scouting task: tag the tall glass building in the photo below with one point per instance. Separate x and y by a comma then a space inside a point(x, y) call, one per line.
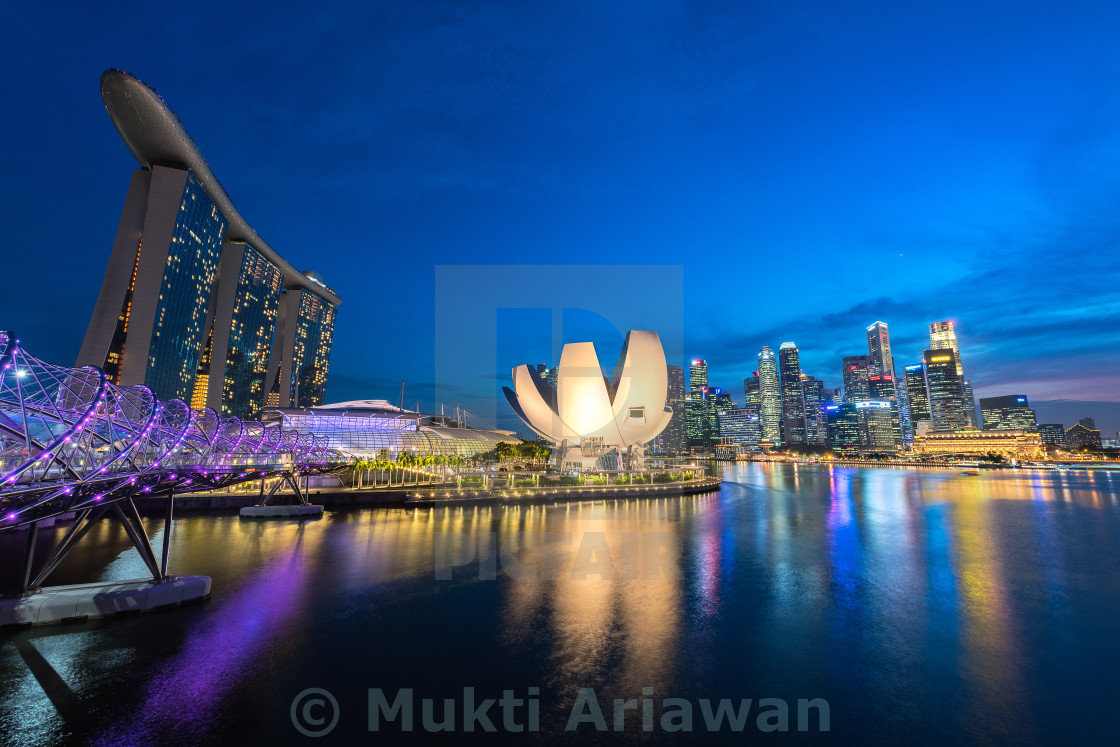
point(697, 375)
point(943, 336)
point(742, 427)
point(793, 400)
point(771, 396)
point(855, 370)
point(816, 423)
point(843, 429)
point(916, 391)
point(752, 395)
point(946, 391)
point(195, 304)
point(671, 441)
point(879, 348)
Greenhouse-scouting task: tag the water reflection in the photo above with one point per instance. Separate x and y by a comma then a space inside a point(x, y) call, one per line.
point(917, 602)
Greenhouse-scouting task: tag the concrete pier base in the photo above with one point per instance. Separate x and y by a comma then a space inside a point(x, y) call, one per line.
point(54, 604)
point(300, 510)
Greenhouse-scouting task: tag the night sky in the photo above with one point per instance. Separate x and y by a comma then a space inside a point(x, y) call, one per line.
point(808, 168)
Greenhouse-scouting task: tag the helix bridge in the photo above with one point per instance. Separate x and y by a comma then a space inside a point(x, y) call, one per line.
point(74, 445)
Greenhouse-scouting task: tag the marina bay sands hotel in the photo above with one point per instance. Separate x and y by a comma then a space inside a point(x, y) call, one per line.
point(195, 305)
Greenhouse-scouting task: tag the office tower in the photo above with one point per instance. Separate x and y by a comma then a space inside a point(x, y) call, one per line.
point(743, 427)
point(946, 391)
point(855, 370)
point(551, 375)
point(943, 336)
point(717, 400)
point(1009, 412)
point(882, 389)
point(832, 396)
point(697, 375)
point(194, 304)
point(816, 422)
point(1053, 434)
point(793, 400)
point(771, 396)
point(1088, 423)
point(902, 394)
point(877, 433)
point(879, 349)
point(752, 393)
point(843, 429)
point(916, 391)
point(671, 442)
point(697, 425)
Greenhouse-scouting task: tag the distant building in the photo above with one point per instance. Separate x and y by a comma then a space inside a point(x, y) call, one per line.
point(717, 400)
point(916, 391)
point(831, 396)
point(843, 429)
point(882, 389)
point(793, 400)
point(671, 441)
point(879, 349)
point(697, 429)
point(1080, 435)
point(697, 375)
point(877, 434)
point(906, 426)
point(946, 391)
point(855, 370)
point(771, 394)
point(1053, 434)
point(741, 427)
point(752, 393)
point(943, 336)
point(1008, 412)
point(816, 423)
point(1088, 423)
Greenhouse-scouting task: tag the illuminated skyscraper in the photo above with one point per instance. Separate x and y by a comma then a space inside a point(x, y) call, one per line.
point(671, 441)
point(742, 427)
point(752, 394)
point(946, 391)
point(816, 421)
point(916, 391)
point(771, 395)
point(877, 433)
point(855, 370)
point(194, 304)
point(793, 400)
point(879, 348)
point(943, 336)
point(697, 375)
point(843, 429)
point(902, 393)
point(882, 387)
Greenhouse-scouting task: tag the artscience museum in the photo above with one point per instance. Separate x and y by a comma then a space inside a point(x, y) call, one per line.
point(593, 421)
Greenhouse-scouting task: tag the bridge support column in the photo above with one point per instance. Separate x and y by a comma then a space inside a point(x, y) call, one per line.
point(135, 529)
point(167, 531)
point(29, 553)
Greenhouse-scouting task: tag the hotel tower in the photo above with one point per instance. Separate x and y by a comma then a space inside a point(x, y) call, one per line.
point(194, 304)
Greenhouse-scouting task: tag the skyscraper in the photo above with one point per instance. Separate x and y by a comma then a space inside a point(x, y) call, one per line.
point(903, 394)
point(194, 304)
point(883, 390)
point(717, 400)
point(946, 391)
point(855, 370)
point(752, 394)
point(943, 336)
point(879, 348)
point(771, 395)
point(916, 391)
point(672, 441)
point(1009, 412)
point(697, 375)
point(742, 427)
point(1053, 434)
point(843, 429)
point(877, 433)
point(793, 400)
point(816, 421)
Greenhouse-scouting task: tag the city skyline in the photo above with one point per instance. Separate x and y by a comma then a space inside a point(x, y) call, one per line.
point(990, 210)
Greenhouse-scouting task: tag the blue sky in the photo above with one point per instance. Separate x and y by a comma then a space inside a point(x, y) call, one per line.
point(810, 168)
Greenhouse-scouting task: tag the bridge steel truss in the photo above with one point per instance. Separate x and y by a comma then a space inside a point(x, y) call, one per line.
point(71, 442)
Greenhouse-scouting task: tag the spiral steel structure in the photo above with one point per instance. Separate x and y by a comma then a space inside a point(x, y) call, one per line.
point(71, 440)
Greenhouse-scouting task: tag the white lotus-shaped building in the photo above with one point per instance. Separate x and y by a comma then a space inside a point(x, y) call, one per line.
point(586, 415)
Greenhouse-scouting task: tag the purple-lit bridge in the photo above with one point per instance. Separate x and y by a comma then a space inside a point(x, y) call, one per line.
point(74, 444)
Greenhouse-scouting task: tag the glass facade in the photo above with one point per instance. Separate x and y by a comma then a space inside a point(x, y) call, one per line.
point(816, 424)
point(856, 369)
point(312, 351)
point(697, 375)
point(671, 441)
point(843, 429)
point(1009, 412)
point(771, 396)
point(256, 305)
point(882, 389)
point(179, 331)
point(877, 431)
point(793, 400)
point(916, 392)
point(946, 391)
point(879, 348)
point(741, 427)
